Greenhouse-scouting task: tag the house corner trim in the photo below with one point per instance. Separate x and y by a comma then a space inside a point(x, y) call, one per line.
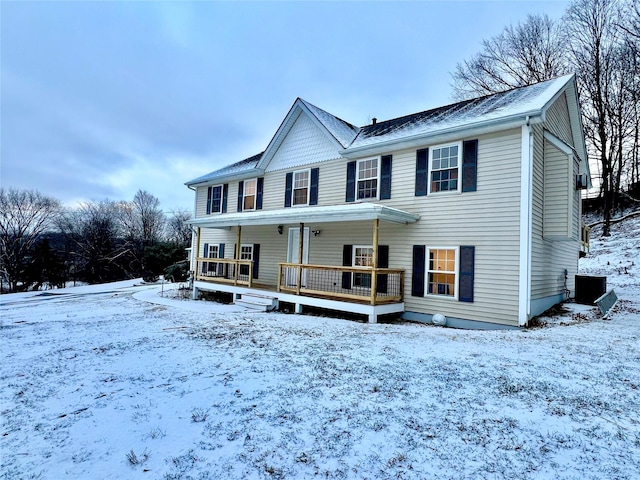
point(526, 187)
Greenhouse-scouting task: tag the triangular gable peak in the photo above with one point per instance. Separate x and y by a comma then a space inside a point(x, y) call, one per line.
point(307, 135)
point(568, 97)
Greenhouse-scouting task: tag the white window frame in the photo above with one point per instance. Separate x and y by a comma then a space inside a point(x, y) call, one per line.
point(293, 188)
point(254, 195)
point(242, 246)
point(456, 273)
point(376, 178)
point(211, 210)
point(432, 150)
point(353, 264)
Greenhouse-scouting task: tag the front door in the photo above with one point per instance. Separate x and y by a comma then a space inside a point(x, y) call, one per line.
point(293, 255)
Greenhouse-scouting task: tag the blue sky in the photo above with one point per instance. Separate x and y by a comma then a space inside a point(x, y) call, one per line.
point(100, 99)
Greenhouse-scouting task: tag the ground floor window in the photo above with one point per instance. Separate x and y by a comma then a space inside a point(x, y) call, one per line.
point(246, 253)
point(362, 257)
point(441, 271)
point(215, 268)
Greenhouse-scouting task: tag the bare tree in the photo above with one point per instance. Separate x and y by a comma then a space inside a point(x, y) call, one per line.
point(24, 216)
point(178, 231)
point(595, 42)
point(629, 23)
point(528, 53)
point(94, 234)
point(143, 218)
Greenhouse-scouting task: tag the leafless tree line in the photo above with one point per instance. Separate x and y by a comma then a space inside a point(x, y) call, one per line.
point(95, 241)
point(599, 40)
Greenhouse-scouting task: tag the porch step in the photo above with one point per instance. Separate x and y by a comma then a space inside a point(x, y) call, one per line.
point(261, 303)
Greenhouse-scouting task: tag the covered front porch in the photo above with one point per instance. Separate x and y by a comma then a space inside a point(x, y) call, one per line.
point(364, 283)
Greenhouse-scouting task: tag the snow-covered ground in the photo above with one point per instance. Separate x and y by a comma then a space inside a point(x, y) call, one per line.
point(116, 381)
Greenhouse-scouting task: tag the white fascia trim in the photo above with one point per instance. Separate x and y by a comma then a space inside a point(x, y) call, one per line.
point(526, 193)
point(443, 136)
point(559, 143)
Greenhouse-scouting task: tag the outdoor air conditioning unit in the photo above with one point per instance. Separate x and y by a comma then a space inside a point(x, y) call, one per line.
point(582, 181)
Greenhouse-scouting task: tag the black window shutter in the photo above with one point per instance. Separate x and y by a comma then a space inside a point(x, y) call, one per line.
point(469, 165)
point(288, 186)
point(383, 262)
point(225, 194)
point(422, 172)
point(347, 250)
point(313, 189)
point(385, 178)
point(256, 259)
point(417, 274)
point(221, 250)
point(240, 189)
point(260, 189)
point(209, 193)
point(205, 254)
point(465, 282)
point(351, 182)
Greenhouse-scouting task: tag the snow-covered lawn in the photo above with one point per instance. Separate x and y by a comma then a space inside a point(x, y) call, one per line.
point(98, 382)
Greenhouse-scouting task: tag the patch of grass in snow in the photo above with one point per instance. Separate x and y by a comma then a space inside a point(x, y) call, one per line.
point(155, 433)
point(199, 415)
point(134, 459)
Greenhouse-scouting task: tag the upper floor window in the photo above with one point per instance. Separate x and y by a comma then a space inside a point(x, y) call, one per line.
point(367, 175)
point(444, 168)
point(249, 194)
point(216, 199)
point(300, 191)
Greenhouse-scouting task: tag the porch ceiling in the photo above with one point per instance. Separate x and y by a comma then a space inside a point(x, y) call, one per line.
point(333, 213)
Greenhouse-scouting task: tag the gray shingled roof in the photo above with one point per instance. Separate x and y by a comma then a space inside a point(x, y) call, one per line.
point(517, 102)
point(529, 100)
point(242, 166)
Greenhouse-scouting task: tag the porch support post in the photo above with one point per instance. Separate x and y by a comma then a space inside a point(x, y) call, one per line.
point(374, 274)
point(300, 252)
point(197, 272)
point(237, 267)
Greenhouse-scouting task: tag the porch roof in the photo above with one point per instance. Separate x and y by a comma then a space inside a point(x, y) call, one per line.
point(325, 214)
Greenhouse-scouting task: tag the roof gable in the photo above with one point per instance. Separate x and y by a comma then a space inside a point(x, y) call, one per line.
point(304, 144)
point(338, 133)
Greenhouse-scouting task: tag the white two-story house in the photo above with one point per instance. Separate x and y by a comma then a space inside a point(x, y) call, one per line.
point(470, 210)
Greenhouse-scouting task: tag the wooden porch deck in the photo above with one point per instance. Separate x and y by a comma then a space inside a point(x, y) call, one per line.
point(383, 303)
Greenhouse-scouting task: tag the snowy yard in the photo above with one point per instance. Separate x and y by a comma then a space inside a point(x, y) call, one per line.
point(98, 382)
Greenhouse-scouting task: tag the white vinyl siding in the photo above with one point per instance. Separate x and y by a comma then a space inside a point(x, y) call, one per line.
point(551, 258)
point(304, 144)
point(487, 219)
point(557, 120)
point(558, 192)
